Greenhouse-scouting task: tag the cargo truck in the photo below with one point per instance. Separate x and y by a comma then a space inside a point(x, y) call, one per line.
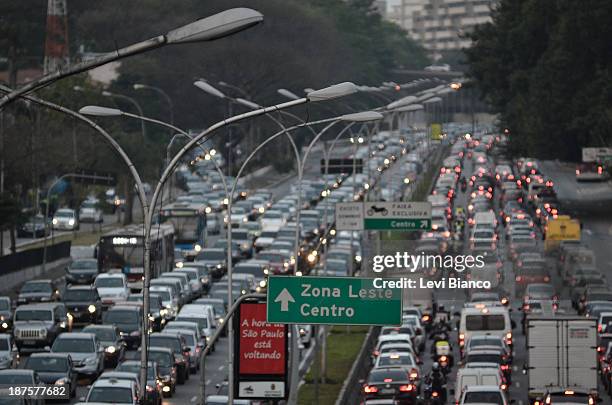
point(562, 355)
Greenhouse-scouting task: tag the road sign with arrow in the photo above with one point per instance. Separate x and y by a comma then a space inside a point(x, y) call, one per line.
point(333, 300)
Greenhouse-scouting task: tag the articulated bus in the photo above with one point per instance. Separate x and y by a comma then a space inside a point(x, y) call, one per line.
point(123, 250)
point(189, 222)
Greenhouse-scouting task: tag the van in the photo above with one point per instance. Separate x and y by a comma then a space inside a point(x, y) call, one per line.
point(175, 285)
point(183, 279)
point(485, 320)
point(202, 315)
point(467, 377)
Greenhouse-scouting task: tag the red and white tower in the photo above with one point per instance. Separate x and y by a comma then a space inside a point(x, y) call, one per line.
point(56, 41)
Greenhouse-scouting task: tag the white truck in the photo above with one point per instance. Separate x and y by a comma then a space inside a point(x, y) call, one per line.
point(562, 354)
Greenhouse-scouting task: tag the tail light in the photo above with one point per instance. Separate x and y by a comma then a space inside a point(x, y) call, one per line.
point(519, 278)
point(414, 374)
point(370, 389)
point(546, 279)
point(599, 329)
point(600, 349)
point(461, 339)
point(375, 353)
point(591, 400)
point(504, 387)
point(505, 367)
point(425, 318)
point(406, 388)
point(537, 403)
point(435, 394)
point(509, 338)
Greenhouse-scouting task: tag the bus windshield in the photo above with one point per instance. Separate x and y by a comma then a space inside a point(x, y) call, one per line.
point(188, 225)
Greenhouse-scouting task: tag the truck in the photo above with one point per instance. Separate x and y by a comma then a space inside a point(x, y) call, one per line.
point(562, 355)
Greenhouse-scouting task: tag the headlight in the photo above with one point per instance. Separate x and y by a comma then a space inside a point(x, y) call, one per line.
point(55, 221)
point(302, 332)
point(266, 271)
point(244, 246)
point(225, 201)
point(151, 318)
point(245, 219)
point(91, 309)
point(110, 349)
point(197, 247)
point(61, 381)
point(262, 283)
point(358, 258)
point(163, 312)
point(221, 320)
point(208, 210)
point(219, 266)
point(91, 360)
point(43, 332)
point(261, 210)
point(4, 325)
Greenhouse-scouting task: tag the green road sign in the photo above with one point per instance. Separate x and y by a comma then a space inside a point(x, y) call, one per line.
point(332, 301)
point(395, 224)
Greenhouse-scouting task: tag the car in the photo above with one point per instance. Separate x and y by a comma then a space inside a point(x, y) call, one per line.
point(482, 342)
point(90, 211)
point(54, 369)
point(127, 318)
point(193, 343)
point(83, 303)
point(399, 359)
point(214, 259)
point(166, 363)
point(37, 291)
point(110, 339)
point(9, 357)
point(219, 309)
point(573, 396)
point(37, 325)
point(65, 219)
point(179, 347)
point(489, 354)
point(35, 226)
point(19, 377)
point(540, 291)
point(112, 288)
point(6, 314)
point(115, 391)
point(85, 350)
point(223, 399)
point(483, 394)
point(82, 271)
point(392, 382)
point(153, 386)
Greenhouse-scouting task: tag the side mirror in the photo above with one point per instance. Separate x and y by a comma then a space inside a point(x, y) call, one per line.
point(81, 399)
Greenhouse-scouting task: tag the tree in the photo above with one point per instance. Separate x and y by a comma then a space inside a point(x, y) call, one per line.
point(544, 65)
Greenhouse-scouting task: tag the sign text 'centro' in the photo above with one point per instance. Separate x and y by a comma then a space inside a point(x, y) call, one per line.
point(332, 300)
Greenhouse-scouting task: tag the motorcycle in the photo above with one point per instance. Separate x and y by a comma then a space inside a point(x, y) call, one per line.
point(434, 396)
point(443, 355)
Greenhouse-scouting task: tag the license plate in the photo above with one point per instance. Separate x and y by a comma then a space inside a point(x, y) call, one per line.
point(29, 342)
point(387, 391)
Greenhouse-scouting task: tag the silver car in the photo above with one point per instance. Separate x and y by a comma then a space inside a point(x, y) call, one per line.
point(9, 356)
point(90, 211)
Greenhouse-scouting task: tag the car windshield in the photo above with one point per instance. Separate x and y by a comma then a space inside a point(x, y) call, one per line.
point(80, 295)
point(166, 341)
point(111, 395)
point(34, 315)
point(68, 345)
point(249, 269)
point(541, 289)
point(273, 215)
point(201, 321)
point(483, 358)
point(165, 295)
point(483, 398)
point(212, 255)
point(5, 305)
point(271, 257)
point(64, 214)
point(163, 359)
point(108, 282)
point(572, 399)
point(268, 234)
point(48, 364)
point(485, 342)
point(121, 316)
point(396, 359)
point(379, 376)
point(88, 204)
point(4, 345)
point(103, 334)
point(36, 287)
point(84, 265)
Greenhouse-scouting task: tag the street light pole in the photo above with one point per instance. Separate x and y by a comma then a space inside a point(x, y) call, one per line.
point(206, 29)
point(60, 178)
point(164, 95)
point(134, 103)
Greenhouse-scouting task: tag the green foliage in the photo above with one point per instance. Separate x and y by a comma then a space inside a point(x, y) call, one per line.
point(545, 66)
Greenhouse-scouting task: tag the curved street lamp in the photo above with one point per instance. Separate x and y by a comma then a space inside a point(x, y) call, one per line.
point(206, 29)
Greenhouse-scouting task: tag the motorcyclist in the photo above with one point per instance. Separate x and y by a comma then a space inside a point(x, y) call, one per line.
point(437, 380)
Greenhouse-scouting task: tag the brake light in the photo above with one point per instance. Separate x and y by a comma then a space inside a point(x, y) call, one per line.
point(591, 400)
point(505, 367)
point(406, 388)
point(546, 279)
point(599, 329)
point(443, 358)
point(368, 389)
point(375, 353)
point(519, 278)
point(435, 394)
point(504, 387)
point(600, 349)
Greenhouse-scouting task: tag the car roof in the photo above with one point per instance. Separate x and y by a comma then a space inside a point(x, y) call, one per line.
point(50, 354)
point(75, 335)
point(478, 388)
point(113, 383)
point(17, 371)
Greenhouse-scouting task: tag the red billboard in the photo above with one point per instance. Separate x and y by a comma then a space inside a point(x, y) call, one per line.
point(262, 346)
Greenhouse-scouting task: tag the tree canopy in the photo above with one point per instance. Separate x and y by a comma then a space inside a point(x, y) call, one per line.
point(544, 65)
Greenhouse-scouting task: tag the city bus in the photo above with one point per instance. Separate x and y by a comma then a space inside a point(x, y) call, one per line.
point(123, 250)
point(189, 222)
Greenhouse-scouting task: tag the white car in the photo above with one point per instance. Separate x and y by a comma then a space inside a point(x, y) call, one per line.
point(65, 219)
point(112, 287)
point(115, 391)
point(273, 219)
point(481, 394)
point(90, 212)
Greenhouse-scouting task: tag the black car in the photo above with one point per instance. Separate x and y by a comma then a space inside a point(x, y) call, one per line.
point(37, 325)
point(215, 260)
point(6, 314)
point(176, 342)
point(164, 357)
point(54, 369)
point(391, 382)
point(127, 319)
point(83, 303)
point(82, 271)
point(110, 338)
point(35, 227)
point(37, 291)
point(154, 391)
point(155, 307)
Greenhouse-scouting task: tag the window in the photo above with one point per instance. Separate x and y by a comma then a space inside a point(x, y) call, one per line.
point(109, 282)
point(111, 395)
point(483, 398)
point(67, 345)
point(485, 322)
point(47, 364)
point(34, 315)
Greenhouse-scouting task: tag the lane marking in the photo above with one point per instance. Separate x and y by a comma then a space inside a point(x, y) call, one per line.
point(194, 398)
point(514, 368)
point(517, 384)
point(207, 382)
point(221, 368)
